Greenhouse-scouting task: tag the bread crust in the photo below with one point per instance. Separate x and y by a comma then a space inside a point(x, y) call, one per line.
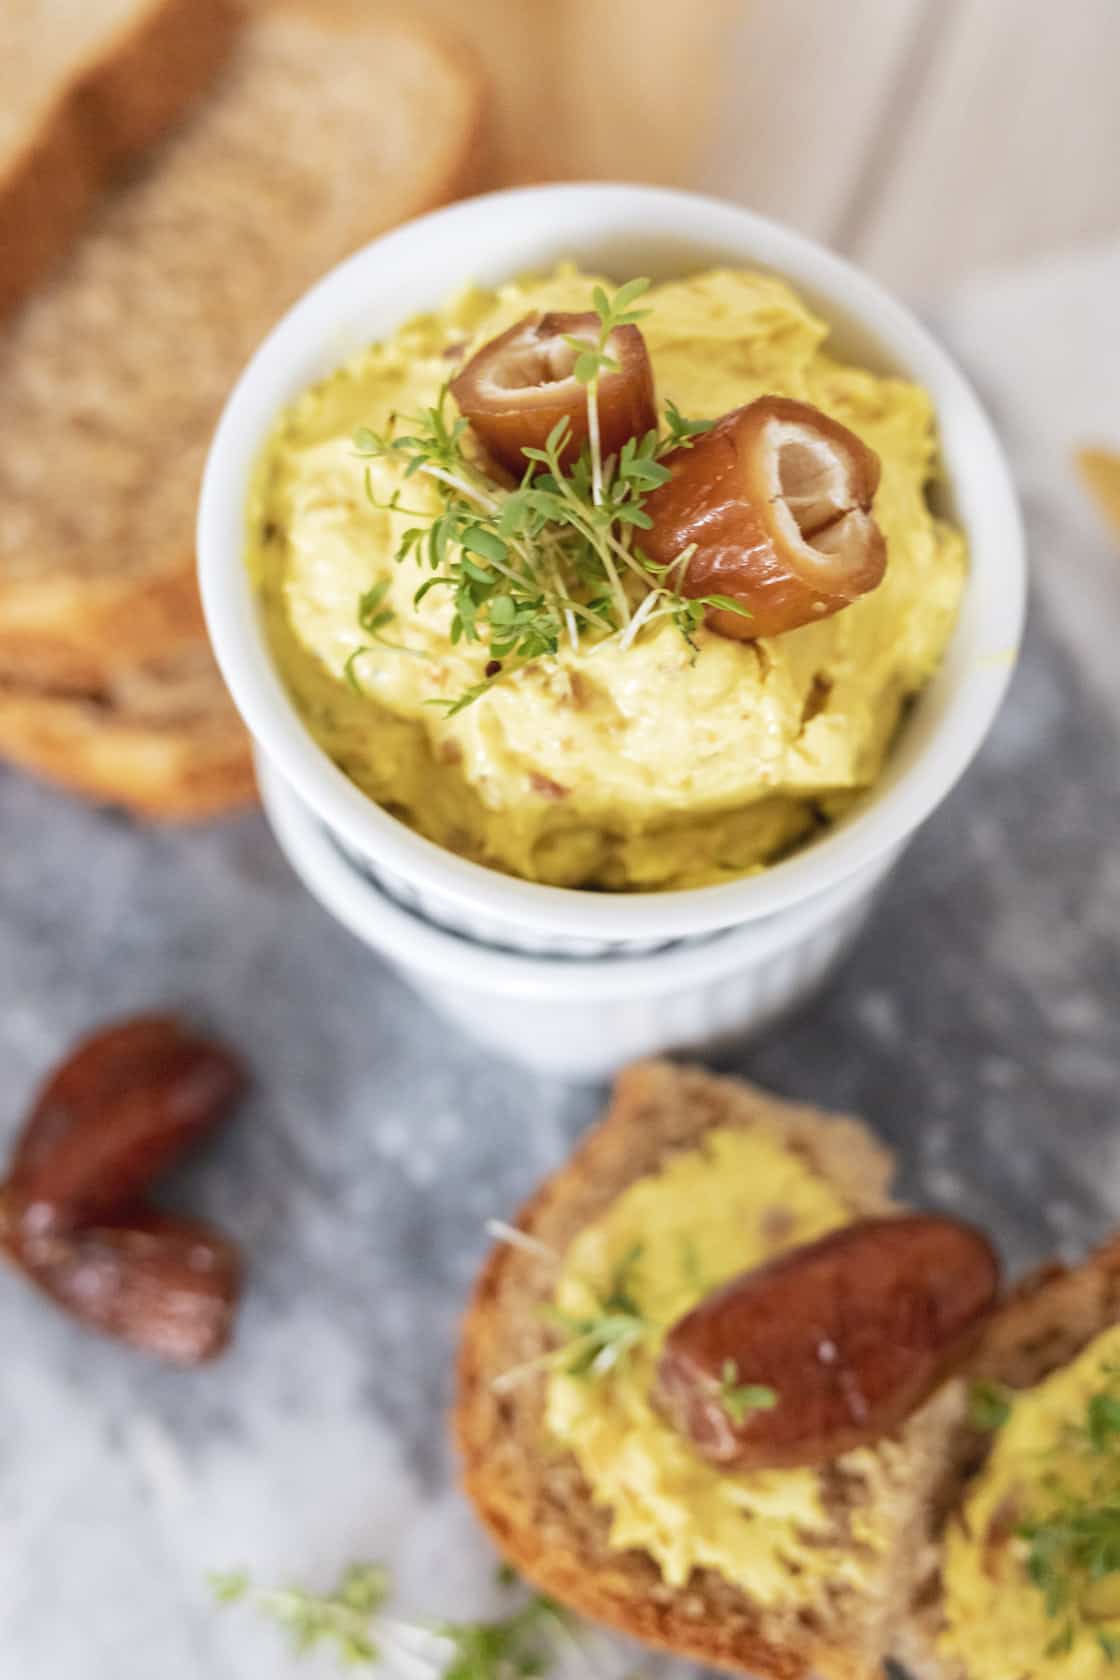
point(140, 80)
point(658, 1108)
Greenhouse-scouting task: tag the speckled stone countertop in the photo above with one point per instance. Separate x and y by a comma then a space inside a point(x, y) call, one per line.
point(975, 1026)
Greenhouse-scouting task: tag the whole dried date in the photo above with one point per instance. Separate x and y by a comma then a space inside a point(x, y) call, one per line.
point(114, 1116)
point(165, 1284)
point(846, 1336)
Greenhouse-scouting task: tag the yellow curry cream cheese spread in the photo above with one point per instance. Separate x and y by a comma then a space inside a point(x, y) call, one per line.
point(1047, 1505)
point(653, 765)
point(710, 1213)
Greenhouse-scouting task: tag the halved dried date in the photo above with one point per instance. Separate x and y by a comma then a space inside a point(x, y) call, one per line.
point(849, 1334)
point(521, 384)
point(775, 503)
point(165, 1284)
point(116, 1114)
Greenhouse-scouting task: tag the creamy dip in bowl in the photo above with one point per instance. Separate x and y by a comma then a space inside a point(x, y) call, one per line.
point(661, 760)
point(661, 838)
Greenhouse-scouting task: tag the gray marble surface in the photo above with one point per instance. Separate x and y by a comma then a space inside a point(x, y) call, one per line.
point(975, 1025)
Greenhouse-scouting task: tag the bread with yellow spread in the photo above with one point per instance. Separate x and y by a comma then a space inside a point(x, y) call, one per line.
point(828, 1571)
point(975, 1609)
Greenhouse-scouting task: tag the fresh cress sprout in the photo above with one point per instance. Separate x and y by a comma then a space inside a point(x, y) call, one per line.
point(741, 1399)
point(554, 560)
point(353, 1621)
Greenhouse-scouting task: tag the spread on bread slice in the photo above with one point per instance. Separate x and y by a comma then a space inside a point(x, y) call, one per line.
point(576, 1462)
point(1019, 1575)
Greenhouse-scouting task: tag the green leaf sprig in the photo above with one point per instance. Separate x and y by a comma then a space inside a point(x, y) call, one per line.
point(679, 432)
point(591, 363)
point(554, 559)
point(595, 1343)
point(599, 1342)
point(342, 1618)
point(373, 616)
point(739, 1399)
point(1073, 1545)
point(989, 1405)
point(1102, 1422)
point(353, 1621)
point(1070, 1555)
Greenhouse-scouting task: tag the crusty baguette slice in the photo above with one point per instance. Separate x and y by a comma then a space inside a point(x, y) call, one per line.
point(111, 380)
point(536, 1504)
point(82, 88)
point(1047, 1322)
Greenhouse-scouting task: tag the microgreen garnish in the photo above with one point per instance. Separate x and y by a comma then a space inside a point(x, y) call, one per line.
point(352, 1618)
point(596, 1342)
point(554, 560)
point(740, 1399)
point(989, 1405)
point(342, 1618)
point(516, 1647)
point(1073, 1543)
point(591, 363)
point(1070, 1552)
point(373, 617)
point(350, 669)
point(1102, 1422)
point(679, 431)
point(599, 1342)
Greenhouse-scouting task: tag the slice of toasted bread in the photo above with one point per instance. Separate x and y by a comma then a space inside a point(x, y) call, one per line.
point(111, 380)
point(537, 1505)
point(83, 88)
point(159, 737)
point(162, 741)
point(1048, 1321)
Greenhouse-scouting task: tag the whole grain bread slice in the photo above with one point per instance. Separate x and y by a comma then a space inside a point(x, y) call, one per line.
point(1050, 1319)
point(85, 85)
point(315, 139)
point(537, 1505)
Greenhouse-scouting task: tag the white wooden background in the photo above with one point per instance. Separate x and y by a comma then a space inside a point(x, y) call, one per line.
point(927, 139)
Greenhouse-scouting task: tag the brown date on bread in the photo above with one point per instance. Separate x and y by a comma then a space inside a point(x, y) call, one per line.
point(535, 1502)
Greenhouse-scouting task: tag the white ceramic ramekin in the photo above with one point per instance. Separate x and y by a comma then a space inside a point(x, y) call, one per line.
point(621, 230)
point(581, 1017)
